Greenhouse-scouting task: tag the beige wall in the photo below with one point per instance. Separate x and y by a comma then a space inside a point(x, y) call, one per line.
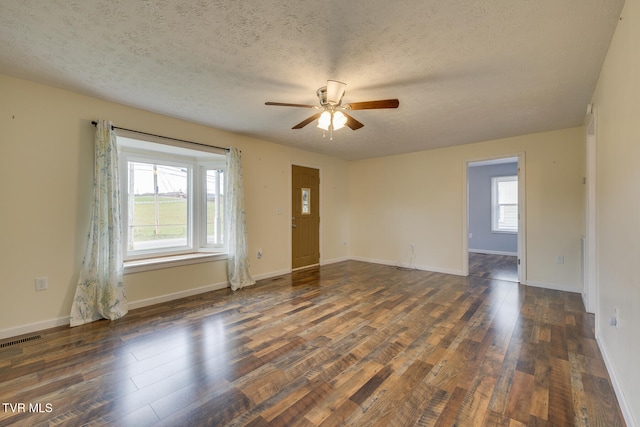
point(418, 199)
point(46, 171)
point(618, 207)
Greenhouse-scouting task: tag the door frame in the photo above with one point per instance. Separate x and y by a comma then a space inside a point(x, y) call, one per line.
point(522, 222)
point(290, 208)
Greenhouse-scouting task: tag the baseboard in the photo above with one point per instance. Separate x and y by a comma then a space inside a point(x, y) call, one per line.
point(490, 252)
point(176, 295)
point(33, 327)
point(622, 401)
point(132, 305)
point(552, 286)
point(190, 292)
point(334, 260)
point(417, 267)
point(271, 274)
point(584, 301)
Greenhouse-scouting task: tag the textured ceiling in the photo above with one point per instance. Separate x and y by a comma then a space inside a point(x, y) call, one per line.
point(463, 70)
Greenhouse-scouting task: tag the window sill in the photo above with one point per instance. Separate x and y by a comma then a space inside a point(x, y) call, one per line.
point(140, 265)
point(504, 232)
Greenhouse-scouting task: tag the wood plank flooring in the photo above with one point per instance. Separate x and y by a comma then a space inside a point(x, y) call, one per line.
point(491, 266)
point(345, 344)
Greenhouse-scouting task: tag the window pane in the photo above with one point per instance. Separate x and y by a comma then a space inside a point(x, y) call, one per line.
point(215, 207)
point(508, 217)
point(507, 192)
point(504, 204)
point(158, 210)
point(305, 209)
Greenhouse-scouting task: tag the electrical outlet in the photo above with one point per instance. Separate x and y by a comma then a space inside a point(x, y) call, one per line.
point(42, 283)
point(615, 319)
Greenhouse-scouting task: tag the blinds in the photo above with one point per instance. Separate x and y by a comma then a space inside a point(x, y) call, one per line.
point(505, 203)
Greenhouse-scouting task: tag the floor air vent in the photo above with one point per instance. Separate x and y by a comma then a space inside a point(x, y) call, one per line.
point(20, 341)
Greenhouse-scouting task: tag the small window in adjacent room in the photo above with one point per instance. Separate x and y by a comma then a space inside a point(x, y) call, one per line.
point(504, 204)
point(172, 199)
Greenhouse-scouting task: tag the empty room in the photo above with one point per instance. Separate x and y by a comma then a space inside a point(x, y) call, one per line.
point(278, 213)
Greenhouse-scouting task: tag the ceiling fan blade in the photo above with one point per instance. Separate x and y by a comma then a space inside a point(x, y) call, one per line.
point(370, 105)
point(284, 104)
point(352, 123)
point(306, 121)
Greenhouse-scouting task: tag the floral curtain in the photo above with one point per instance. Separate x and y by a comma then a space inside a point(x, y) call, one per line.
point(238, 260)
point(100, 291)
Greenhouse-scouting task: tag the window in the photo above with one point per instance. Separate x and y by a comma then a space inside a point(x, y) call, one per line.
point(504, 204)
point(172, 199)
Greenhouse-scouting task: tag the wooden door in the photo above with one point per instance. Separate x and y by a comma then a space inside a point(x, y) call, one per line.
point(305, 216)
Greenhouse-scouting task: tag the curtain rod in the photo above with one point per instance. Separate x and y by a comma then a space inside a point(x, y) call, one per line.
point(94, 123)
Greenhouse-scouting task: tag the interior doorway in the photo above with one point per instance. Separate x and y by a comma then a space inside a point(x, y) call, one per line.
point(494, 213)
point(305, 217)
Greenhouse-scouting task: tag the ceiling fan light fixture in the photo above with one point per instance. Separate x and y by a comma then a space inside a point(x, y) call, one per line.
point(339, 120)
point(325, 120)
point(332, 120)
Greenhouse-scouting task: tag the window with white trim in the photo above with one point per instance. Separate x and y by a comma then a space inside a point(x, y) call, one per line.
point(504, 204)
point(172, 199)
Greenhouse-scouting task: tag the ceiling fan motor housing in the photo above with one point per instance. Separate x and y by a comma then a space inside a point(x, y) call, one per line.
point(331, 94)
point(322, 95)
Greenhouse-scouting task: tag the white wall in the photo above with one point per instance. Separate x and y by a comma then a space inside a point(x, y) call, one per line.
point(618, 208)
point(46, 171)
point(419, 198)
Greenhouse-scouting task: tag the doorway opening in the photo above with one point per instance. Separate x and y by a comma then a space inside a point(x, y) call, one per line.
point(494, 240)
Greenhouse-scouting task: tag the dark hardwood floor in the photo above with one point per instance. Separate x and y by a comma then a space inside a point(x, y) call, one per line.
point(490, 266)
point(345, 344)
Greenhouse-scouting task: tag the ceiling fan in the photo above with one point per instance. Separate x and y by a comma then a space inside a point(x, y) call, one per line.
point(332, 115)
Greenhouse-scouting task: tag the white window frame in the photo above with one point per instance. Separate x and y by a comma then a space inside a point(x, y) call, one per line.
point(495, 206)
point(132, 148)
point(203, 167)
